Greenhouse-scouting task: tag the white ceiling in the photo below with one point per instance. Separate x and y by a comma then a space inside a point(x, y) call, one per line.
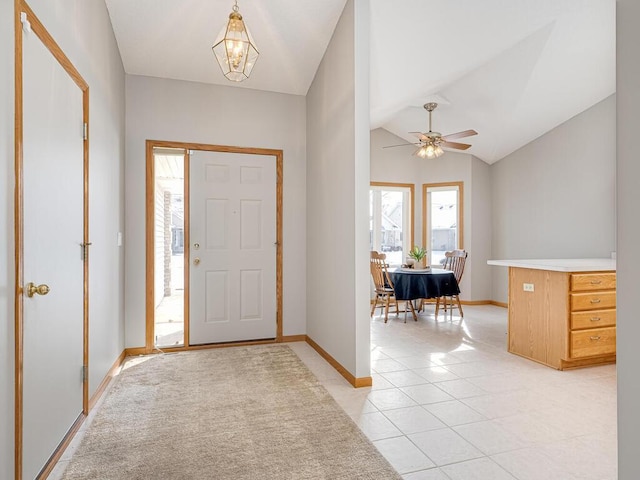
point(173, 39)
point(510, 69)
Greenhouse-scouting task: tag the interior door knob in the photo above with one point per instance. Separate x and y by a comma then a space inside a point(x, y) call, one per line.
point(32, 289)
point(196, 261)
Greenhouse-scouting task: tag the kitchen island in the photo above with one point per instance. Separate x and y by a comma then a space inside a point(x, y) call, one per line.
point(562, 312)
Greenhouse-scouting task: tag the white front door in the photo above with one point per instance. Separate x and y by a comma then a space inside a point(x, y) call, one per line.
point(232, 280)
point(53, 234)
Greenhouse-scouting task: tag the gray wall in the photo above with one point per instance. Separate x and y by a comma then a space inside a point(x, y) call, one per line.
point(337, 195)
point(163, 109)
point(556, 196)
point(83, 31)
point(628, 175)
point(398, 165)
point(480, 237)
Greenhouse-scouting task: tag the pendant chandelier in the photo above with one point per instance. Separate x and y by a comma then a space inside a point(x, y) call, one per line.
point(235, 49)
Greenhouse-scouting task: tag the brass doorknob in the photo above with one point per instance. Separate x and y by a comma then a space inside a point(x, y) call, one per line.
point(196, 261)
point(32, 289)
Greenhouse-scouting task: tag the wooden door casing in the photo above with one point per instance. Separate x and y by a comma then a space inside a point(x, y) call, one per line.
point(39, 31)
point(150, 268)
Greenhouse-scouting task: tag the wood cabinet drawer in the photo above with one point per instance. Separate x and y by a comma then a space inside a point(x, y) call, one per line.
point(593, 319)
point(593, 281)
point(593, 301)
point(594, 341)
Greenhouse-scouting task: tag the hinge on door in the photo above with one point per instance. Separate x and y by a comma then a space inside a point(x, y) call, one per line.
point(85, 373)
point(85, 131)
point(85, 252)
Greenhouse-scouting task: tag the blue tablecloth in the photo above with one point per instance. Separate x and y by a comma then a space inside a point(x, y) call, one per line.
point(414, 284)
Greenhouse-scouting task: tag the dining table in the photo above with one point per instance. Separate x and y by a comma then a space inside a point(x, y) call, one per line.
point(415, 284)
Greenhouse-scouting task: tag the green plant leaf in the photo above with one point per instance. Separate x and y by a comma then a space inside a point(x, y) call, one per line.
point(417, 253)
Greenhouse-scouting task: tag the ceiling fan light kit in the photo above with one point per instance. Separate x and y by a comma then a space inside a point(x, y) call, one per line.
point(429, 151)
point(431, 142)
point(235, 49)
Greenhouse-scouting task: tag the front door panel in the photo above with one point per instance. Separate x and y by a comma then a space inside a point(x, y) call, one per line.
point(233, 247)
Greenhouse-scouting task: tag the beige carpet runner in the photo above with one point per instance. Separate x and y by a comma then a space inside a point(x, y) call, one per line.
point(230, 413)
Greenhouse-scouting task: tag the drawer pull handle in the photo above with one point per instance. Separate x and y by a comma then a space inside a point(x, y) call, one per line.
point(596, 282)
point(595, 337)
point(595, 319)
point(595, 300)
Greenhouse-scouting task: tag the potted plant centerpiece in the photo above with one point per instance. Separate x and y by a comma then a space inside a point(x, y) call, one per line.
point(418, 254)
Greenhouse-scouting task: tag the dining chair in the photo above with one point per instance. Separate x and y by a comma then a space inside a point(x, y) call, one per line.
point(454, 261)
point(384, 292)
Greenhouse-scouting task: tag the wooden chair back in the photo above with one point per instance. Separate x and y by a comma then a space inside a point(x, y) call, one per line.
point(379, 271)
point(455, 261)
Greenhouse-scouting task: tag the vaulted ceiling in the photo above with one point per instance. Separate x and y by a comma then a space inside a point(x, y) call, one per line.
point(510, 69)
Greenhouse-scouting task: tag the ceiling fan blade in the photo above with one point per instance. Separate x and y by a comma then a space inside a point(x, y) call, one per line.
point(453, 136)
point(401, 145)
point(420, 136)
point(455, 145)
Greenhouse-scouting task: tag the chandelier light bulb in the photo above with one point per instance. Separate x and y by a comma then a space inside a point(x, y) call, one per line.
point(429, 150)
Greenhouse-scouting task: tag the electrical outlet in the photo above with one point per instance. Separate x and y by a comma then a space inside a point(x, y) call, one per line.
point(527, 287)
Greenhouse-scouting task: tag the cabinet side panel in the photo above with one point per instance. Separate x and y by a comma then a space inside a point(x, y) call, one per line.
point(558, 312)
point(538, 318)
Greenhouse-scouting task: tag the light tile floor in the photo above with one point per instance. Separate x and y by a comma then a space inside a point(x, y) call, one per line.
point(449, 402)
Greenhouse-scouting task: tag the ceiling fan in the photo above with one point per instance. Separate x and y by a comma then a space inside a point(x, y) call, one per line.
point(431, 142)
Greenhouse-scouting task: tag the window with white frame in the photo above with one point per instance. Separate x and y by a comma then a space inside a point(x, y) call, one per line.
point(390, 220)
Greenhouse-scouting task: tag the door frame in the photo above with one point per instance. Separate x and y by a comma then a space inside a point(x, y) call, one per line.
point(47, 40)
point(150, 239)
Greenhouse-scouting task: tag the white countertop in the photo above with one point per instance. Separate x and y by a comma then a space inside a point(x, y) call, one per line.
point(560, 264)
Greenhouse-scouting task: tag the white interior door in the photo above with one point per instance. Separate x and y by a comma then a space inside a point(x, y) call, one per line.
point(232, 280)
point(53, 234)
